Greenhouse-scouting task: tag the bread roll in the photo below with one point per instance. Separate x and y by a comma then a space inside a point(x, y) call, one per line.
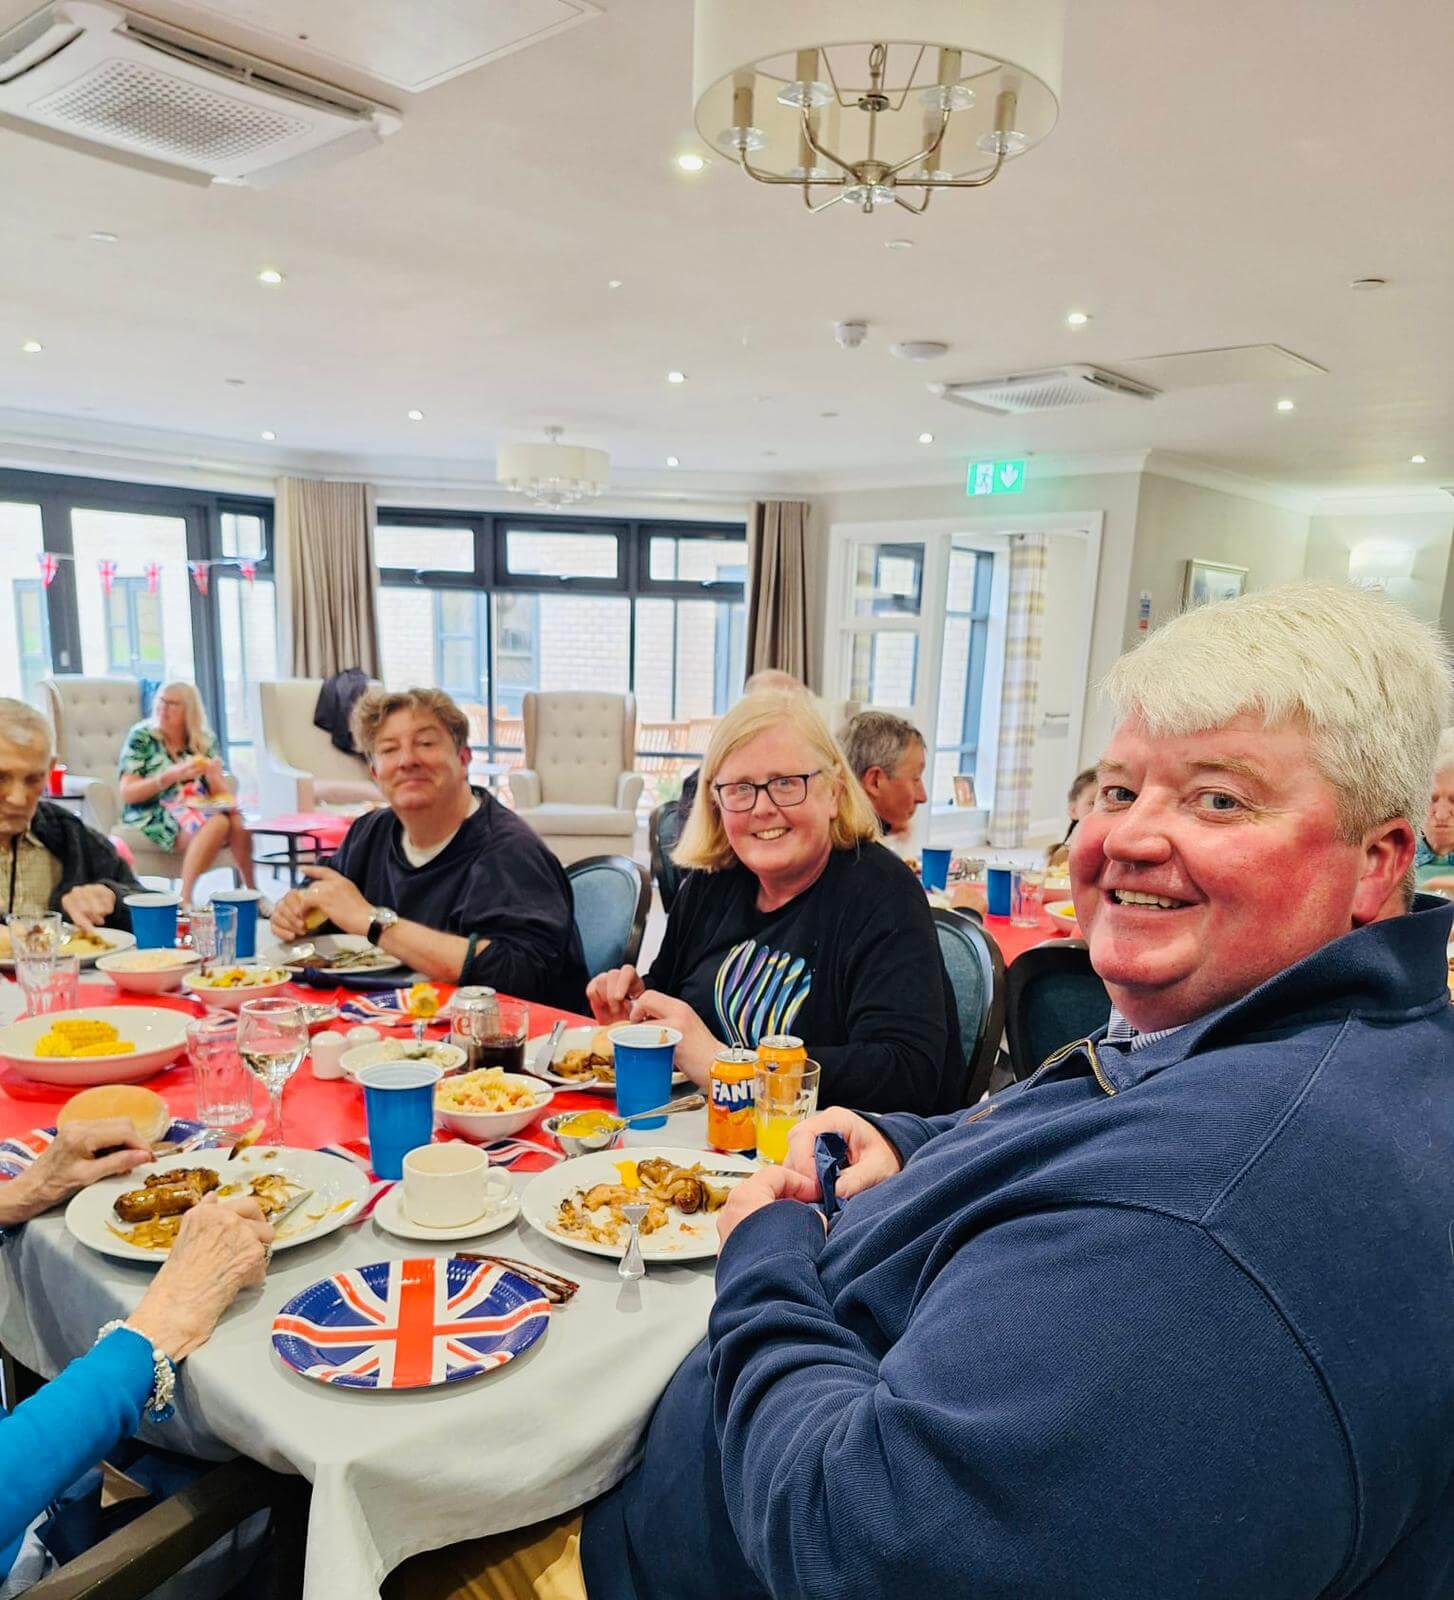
point(147, 1111)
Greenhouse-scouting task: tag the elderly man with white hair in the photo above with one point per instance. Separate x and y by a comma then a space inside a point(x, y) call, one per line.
point(49, 859)
point(1434, 863)
point(1174, 1317)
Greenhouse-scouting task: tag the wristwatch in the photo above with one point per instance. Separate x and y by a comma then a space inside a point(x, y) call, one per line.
point(383, 920)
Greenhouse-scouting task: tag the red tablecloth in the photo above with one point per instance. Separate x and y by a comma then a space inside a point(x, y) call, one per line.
point(327, 827)
point(1015, 941)
point(315, 1112)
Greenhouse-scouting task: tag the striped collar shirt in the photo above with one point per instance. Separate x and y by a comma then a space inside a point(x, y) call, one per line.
point(1120, 1032)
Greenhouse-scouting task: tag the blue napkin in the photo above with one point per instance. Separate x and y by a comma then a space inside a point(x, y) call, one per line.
point(830, 1157)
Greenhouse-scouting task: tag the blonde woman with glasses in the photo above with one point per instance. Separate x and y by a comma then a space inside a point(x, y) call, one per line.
point(794, 920)
point(174, 790)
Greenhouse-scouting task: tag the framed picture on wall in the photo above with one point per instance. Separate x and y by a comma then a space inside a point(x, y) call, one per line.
point(964, 790)
point(1211, 580)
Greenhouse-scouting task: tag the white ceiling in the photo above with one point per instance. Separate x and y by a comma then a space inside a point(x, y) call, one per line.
point(1219, 175)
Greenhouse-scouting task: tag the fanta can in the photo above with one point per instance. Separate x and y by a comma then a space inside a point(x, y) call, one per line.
point(730, 1123)
point(781, 1051)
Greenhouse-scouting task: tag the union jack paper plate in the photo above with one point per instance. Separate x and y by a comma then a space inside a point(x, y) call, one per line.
point(17, 1152)
point(410, 1324)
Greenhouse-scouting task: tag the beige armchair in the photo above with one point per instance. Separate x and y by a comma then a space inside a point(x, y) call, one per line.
point(299, 768)
point(91, 717)
point(577, 789)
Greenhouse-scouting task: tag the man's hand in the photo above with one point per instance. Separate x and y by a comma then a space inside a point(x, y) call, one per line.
point(699, 1045)
point(88, 905)
point(339, 899)
point(871, 1157)
point(610, 994)
point(70, 1162)
point(762, 1189)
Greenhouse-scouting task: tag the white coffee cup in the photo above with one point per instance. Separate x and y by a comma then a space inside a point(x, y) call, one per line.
point(452, 1184)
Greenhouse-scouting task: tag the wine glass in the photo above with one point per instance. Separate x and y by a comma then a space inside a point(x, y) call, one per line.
point(272, 1036)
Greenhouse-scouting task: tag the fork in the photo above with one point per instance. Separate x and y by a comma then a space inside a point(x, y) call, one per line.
point(632, 1265)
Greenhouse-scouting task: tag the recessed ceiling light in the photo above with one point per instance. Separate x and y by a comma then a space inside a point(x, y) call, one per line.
point(614, 283)
point(769, 452)
point(32, 347)
point(926, 438)
point(828, 415)
point(101, 236)
point(415, 415)
point(1368, 284)
point(898, 244)
point(269, 434)
point(690, 161)
point(1417, 461)
point(269, 275)
point(1077, 319)
point(672, 461)
point(236, 383)
point(676, 377)
point(1287, 405)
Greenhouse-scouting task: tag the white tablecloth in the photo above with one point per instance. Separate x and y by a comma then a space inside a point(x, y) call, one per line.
point(394, 1474)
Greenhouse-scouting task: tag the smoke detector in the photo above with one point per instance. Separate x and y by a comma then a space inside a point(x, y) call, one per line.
point(919, 349)
point(850, 334)
point(1023, 392)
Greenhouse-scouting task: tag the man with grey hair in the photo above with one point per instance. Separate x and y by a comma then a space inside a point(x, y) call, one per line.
point(50, 859)
point(887, 756)
point(1175, 1317)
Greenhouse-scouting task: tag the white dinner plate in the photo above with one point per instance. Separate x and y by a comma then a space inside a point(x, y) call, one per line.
point(390, 1215)
point(159, 1034)
point(691, 1238)
point(332, 944)
point(116, 939)
point(339, 1189)
point(574, 1039)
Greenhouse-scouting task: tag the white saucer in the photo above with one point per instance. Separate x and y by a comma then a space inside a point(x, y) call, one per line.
point(389, 1214)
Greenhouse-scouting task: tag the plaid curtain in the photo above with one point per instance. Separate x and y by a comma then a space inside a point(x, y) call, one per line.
point(1020, 690)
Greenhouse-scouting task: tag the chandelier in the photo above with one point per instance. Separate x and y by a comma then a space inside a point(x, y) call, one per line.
point(830, 97)
point(552, 474)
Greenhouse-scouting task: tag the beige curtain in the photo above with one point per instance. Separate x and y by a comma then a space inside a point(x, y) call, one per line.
point(1024, 626)
point(777, 608)
point(327, 538)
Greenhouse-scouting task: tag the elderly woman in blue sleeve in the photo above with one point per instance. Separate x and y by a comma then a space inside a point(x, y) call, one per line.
point(67, 1427)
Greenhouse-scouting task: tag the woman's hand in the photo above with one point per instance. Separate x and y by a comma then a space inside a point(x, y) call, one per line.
point(221, 1248)
point(71, 1162)
point(181, 772)
point(765, 1186)
point(610, 994)
point(699, 1045)
point(871, 1157)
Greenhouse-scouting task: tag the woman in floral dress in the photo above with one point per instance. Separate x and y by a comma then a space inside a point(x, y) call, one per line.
point(175, 791)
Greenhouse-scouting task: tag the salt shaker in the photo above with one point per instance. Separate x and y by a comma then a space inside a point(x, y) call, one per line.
point(328, 1051)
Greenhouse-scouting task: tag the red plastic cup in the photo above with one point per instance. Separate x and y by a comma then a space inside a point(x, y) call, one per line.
point(57, 783)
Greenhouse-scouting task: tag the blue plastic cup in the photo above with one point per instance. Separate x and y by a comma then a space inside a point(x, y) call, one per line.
point(934, 868)
point(997, 890)
point(153, 919)
point(246, 902)
point(644, 1052)
point(399, 1105)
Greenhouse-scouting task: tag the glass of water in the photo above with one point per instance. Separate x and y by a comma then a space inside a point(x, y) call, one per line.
point(50, 982)
point(272, 1036)
point(222, 1082)
point(36, 933)
point(214, 935)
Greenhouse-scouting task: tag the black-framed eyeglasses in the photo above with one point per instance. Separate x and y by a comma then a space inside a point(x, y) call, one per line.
point(789, 790)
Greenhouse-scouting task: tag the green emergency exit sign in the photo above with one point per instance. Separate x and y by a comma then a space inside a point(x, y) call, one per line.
point(996, 477)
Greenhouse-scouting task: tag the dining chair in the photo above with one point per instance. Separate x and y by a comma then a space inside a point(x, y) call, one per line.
point(976, 972)
point(663, 831)
point(612, 896)
point(1053, 997)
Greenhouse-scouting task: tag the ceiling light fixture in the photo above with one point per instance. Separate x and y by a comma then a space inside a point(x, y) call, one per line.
point(1077, 319)
point(676, 377)
point(552, 474)
point(101, 236)
point(926, 438)
point(672, 461)
point(690, 161)
point(32, 347)
point(614, 283)
point(796, 95)
point(269, 275)
point(898, 244)
point(1287, 405)
point(1368, 285)
point(269, 435)
point(415, 415)
point(1417, 461)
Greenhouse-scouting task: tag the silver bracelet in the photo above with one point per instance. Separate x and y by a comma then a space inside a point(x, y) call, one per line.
point(160, 1403)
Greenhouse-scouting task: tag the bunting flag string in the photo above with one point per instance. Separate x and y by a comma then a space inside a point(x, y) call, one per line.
point(200, 574)
point(153, 571)
point(248, 569)
point(49, 566)
point(107, 568)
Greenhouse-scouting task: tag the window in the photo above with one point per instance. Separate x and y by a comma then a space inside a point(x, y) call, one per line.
point(491, 608)
point(134, 630)
point(888, 580)
point(32, 637)
point(961, 679)
point(25, 654)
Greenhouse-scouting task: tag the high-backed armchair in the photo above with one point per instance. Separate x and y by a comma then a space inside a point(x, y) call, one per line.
point(91, 717)
point(577, 789)
point(299, 768)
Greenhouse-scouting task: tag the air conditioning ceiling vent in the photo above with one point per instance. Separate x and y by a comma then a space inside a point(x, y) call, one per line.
point(1025, 392)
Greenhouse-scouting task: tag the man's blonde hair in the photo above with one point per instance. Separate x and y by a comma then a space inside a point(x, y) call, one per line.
point(374, 708)
point(704, 845)
point(1366, 678)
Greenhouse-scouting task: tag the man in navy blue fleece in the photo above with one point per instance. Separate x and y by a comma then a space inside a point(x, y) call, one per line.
point(1175, 1317)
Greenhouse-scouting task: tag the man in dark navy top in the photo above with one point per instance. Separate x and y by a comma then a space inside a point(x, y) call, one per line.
point(445, 878)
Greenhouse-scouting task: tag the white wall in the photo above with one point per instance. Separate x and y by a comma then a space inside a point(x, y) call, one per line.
point(1332, 541)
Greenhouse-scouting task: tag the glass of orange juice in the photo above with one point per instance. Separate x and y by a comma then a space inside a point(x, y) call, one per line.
point(786, 1094)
